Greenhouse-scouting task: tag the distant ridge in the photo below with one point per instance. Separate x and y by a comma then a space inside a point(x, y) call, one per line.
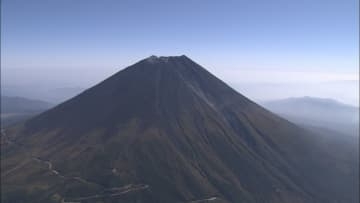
point(17, 109)
point(318, 112)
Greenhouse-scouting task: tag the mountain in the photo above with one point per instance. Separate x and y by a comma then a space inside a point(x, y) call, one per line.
point(15, 109)
point(166, 130)
point(22, 105)
point(46, 92)
point(318, 112)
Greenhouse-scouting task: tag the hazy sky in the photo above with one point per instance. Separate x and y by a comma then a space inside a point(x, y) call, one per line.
point(77, 43)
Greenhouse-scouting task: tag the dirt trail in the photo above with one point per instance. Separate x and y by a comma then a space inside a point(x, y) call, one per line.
point(204, 200)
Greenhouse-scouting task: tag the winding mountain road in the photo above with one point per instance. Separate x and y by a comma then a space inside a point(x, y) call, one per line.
point(117, 192)
point(114, 192)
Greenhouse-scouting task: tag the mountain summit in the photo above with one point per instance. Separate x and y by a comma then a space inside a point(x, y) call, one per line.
point(167, 130)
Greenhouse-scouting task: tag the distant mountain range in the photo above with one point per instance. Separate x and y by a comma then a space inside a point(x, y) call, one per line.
point(45, 93)
point(165, 130)
point(317, 112)
point(15, 109)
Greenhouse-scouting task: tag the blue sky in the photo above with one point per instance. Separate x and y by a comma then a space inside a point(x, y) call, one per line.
point(79, 42)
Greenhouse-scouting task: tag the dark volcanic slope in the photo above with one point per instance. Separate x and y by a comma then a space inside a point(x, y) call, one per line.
point(166, 130)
